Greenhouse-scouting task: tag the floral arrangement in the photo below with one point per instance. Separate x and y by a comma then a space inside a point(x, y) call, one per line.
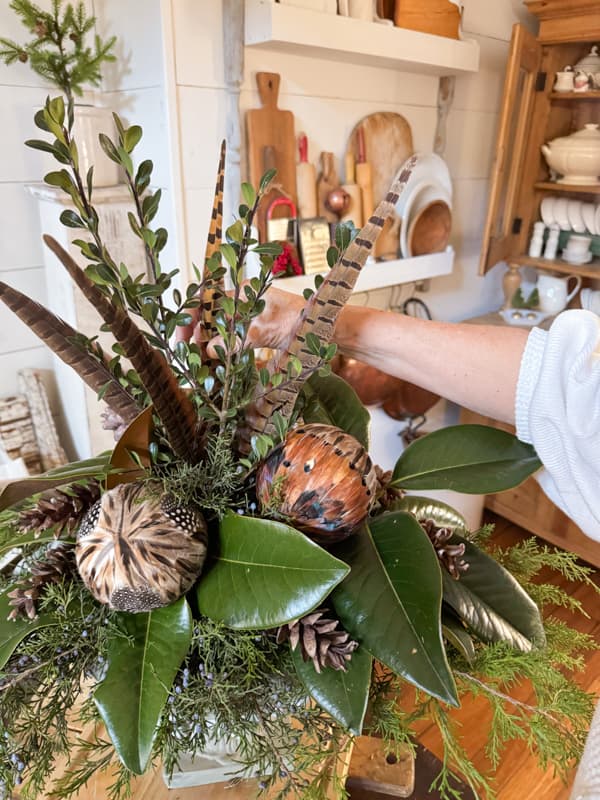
point(237, 567)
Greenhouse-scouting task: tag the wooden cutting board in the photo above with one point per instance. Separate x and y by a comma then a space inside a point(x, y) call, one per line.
point(269, 126)
point(388, 143)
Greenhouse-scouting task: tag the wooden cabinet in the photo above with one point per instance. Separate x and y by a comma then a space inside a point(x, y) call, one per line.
point(532, 113)
point(527, 505)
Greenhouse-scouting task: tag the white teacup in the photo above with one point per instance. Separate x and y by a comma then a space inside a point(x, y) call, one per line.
point(578, 246)
point(553, 291)
point(564, 81)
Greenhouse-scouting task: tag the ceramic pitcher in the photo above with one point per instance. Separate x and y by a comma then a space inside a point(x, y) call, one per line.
point(553, 291)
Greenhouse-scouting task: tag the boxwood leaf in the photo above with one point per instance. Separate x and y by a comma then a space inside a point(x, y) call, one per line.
point(332, 401)
point(12, 632)
point(391, 601)
point(474, 459)
point(142, 665)
point(266, 574)
point(344, 695)
point(491, 602)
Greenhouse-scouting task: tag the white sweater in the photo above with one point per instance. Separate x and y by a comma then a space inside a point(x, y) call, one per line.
point(557, 410)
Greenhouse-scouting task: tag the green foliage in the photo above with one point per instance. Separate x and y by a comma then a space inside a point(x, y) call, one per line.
point(59, 52)
point(519, 301)
point(331, 401)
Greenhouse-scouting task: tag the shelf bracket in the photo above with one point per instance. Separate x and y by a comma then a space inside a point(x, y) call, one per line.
point(445, 97)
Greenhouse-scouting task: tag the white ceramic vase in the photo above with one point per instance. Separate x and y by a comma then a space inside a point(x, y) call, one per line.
point(90, 121)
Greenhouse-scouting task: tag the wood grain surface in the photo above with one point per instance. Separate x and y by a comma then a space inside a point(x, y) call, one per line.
point(270, 126)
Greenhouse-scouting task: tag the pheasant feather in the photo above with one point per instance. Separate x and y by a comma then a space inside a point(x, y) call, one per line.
point(60, 338)
point(171, 403)
point(321, 313)
point(212, 293)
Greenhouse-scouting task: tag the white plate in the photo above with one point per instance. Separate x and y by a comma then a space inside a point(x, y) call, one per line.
point(577, 261)
point(547, 210)
point(522, 316)
point(560, 213)
point(574, 216)
point(423, 194)
point(430, 169)
point(588, 212)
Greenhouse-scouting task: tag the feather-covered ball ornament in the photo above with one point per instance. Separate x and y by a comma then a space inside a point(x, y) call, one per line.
point(321, 479)
point(138, 550)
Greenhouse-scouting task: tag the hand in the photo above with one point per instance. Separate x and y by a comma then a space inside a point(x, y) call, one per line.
point(270, 329)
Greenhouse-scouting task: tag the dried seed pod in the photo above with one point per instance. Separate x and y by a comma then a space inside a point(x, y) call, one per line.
point(321, 479)
point(138, 550)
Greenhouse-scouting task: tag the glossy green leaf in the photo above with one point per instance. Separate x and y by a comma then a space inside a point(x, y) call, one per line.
point(266, 574)
point(344, 695)
point(332, 401)
point(22, 539)
point(141, 668)
point(12, 632)
point(20, 489)
point(427, 508)
point(391, 601)
point(492, 603)
point(455, 632)
point(474, 459)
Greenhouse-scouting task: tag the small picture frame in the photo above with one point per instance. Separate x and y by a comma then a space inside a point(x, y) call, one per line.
point(315, 240)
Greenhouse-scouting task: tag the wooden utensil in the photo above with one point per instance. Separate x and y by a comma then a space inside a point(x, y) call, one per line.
point(354, 210)
point(387, 142)
point(440, 17)
point(326, 183)
point(364, 175)
point(269, 126)
point(429, 230)
point(306, 181)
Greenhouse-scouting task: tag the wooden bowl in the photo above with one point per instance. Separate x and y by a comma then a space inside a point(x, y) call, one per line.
point(429, 229)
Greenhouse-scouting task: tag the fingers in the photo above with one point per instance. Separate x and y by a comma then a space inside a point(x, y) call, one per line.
point(183, 333)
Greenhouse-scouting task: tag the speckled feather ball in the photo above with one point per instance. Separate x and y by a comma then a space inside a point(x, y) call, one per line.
point(138, 550)
point(325, 478)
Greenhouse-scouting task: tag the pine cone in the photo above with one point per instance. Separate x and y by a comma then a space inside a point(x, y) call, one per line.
point(387, 494)
point(111, 421)
point(319, 640)
point(61, 509)
point(57, 563)
point(451, 555)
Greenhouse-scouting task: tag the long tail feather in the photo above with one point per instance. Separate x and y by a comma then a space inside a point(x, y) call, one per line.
point(322, 312)
point(212, 293)
point(61, 339)
point(171, 403)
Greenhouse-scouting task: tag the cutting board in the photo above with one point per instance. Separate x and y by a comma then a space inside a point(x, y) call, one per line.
point(388, 143)
point(269, 126)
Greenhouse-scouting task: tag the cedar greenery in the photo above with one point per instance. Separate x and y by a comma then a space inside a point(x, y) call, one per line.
point(58, 52)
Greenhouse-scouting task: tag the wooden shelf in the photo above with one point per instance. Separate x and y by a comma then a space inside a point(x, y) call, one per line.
point(590, 95)
point(591, 270)
point(551, 186)
point(291, 29)
point(385, 273)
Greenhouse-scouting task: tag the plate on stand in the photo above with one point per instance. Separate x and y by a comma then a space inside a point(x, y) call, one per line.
point(524, 317)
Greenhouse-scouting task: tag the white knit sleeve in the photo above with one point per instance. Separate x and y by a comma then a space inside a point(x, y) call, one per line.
point(557, 410)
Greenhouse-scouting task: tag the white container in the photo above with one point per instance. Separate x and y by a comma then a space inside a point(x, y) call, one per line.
point(90, 121)
point(576, 157)
point(553, 292)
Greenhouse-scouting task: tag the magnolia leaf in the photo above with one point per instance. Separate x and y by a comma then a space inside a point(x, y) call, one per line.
point(454, 631)
point(492, 603)
point(391, 601)
point(332, 401)
point(474, 459)
point(12, 632)
point(135, 439)
point(142, 665)
point(265, 574)
point(344, 695)
point(22, 539)
point(23, 488)
point(424, 508)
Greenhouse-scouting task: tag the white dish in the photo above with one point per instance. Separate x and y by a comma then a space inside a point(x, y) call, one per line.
point(576, 260)
point(588, 212)
point(526, 317)
point(547, 210)
point(574, 216)
point(560, 213)
point(429, 169)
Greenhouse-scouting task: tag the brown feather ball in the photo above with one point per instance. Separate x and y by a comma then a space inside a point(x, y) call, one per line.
point(321, 479)
point(137, 550)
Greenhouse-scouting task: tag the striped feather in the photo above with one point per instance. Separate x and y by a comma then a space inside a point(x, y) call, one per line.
point(171, 403)
point(321, 313)
point(60, 338)
point(212, 293)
